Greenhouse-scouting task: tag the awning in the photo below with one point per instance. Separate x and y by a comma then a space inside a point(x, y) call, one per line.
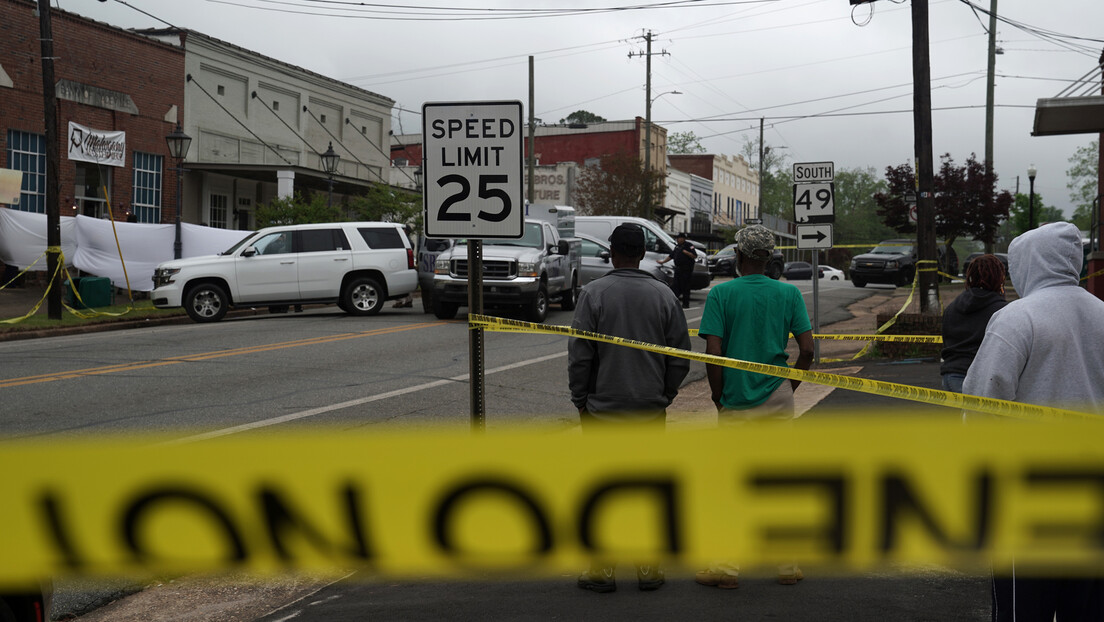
point(1056, 116)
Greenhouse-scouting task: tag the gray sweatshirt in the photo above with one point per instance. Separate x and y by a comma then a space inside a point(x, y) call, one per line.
point(617, 382)
point(1046, 348)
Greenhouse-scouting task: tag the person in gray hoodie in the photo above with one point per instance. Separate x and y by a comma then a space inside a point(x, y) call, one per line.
point(1045, 349)
point(965, 319)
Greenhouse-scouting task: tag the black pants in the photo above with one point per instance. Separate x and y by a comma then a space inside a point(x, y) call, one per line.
point(1038, 599)
point(682, 285)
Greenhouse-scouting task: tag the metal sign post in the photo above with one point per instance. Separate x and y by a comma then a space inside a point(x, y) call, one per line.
point(475, 337)
point(472, 163)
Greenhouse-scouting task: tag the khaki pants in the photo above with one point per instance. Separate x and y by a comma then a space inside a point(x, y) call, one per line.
point(778, 407)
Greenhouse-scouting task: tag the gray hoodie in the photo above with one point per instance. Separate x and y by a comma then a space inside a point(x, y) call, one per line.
point(1046, 348)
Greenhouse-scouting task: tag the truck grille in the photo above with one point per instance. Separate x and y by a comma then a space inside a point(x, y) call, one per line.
point(491, 269)
point(870, 264)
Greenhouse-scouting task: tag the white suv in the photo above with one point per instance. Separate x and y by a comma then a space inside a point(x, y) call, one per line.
point(358, 265)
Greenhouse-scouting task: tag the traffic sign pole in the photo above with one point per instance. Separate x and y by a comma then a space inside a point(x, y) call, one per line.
point(815, 211)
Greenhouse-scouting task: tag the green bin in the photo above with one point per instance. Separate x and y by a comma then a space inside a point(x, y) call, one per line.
point(94, 292)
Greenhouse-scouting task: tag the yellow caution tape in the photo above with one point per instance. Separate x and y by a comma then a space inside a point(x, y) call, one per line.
point(853, 494)
point(849, 337)
point(876, 387)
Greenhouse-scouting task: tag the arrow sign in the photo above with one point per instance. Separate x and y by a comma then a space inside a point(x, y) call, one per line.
point(814, 237)
point(817, 236)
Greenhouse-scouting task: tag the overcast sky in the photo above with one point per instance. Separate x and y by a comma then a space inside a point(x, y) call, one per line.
point(834, 82)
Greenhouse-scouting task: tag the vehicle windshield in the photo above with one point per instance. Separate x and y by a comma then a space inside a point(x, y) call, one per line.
point(234, 248)
point(896, 249)
point(530, 238)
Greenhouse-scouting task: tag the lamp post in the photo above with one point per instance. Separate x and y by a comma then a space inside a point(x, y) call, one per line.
point(178, 143)
point(330, 159)
point(648, 145)
point(1031, 170)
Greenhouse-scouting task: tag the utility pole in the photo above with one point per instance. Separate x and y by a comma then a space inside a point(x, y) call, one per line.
point(53, 215)
point(989, 88)
point(761, 154)
point(648, 207)
point(922, 131)
point(532, 160)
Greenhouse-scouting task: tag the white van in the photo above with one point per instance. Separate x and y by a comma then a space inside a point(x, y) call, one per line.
point(657, 242)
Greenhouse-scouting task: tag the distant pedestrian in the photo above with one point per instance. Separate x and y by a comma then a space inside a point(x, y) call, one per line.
point(615, 385)
point(408, 300)
point(684, 255)
point(1045, 349)
point(751, 318)
point(965, 319)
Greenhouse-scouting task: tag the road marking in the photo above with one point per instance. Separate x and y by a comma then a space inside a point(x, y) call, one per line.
point(194, 358)
point(303, 414)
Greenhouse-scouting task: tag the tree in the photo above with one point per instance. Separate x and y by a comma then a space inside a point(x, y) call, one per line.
point(1019, 214)
point(388, 204)
point(856, 209)
point(684, 143)
point(615, 187)
point(966, 201)
point(298, 210)
point(1084, 182)
point(583, 116)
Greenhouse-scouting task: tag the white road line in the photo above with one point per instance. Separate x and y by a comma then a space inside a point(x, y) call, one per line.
point(303, 414)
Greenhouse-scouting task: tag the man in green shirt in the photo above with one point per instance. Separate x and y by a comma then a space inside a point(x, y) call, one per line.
point(750, 318)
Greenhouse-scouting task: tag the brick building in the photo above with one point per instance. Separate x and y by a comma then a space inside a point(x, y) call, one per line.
point(118, 95)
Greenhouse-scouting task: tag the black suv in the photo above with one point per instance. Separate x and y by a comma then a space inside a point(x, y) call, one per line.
point(894, 262)
point(723, 263)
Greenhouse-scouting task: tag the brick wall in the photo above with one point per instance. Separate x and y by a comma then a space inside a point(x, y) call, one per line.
point(98, 55)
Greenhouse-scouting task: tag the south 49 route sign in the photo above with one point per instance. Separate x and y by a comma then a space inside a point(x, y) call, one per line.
point(472, 165)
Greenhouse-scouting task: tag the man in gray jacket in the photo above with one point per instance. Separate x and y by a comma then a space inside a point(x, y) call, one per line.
point(1045, 349)
point(612, 384)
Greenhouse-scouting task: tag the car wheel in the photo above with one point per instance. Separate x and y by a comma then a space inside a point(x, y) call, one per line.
point(537, 310)
point(903, 278)
point(206, 302)
point(571, 296)
point(835, 278)
point(858, 282)
point(445, 310)
point(363, 296)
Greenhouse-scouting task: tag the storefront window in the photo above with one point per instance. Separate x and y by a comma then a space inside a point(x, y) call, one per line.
point(27, 153)
point(146, 203)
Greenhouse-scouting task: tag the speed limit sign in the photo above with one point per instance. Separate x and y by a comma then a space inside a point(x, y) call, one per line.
point(472, 166)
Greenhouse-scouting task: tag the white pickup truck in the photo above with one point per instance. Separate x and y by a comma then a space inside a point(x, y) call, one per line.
point(528, 272)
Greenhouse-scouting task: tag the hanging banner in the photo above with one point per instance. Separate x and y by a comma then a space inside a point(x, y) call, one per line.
point(97, 146)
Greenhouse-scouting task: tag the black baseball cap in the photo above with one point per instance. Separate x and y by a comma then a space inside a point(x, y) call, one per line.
point(627, 238)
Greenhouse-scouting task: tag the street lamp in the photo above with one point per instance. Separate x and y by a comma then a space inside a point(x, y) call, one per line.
point(330, 159)
point(178, 143)
point(1031, 170)
point(648, 146)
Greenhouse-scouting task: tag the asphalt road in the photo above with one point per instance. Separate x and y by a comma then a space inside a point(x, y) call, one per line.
point(322, 367)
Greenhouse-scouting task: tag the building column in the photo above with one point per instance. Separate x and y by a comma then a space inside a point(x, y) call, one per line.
point(285, 184)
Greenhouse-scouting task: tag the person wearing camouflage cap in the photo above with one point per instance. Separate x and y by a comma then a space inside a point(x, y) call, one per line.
point(750, 318)
point(756, 242)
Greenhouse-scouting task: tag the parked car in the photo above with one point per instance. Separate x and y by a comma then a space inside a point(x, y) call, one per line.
point(894, 262)
point(831, 274)
point(1003, 257)
point(596, 262)
point(797, 270)
point(723, 263)
point(428, 251)
point(357, 265)
point(658, 243)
